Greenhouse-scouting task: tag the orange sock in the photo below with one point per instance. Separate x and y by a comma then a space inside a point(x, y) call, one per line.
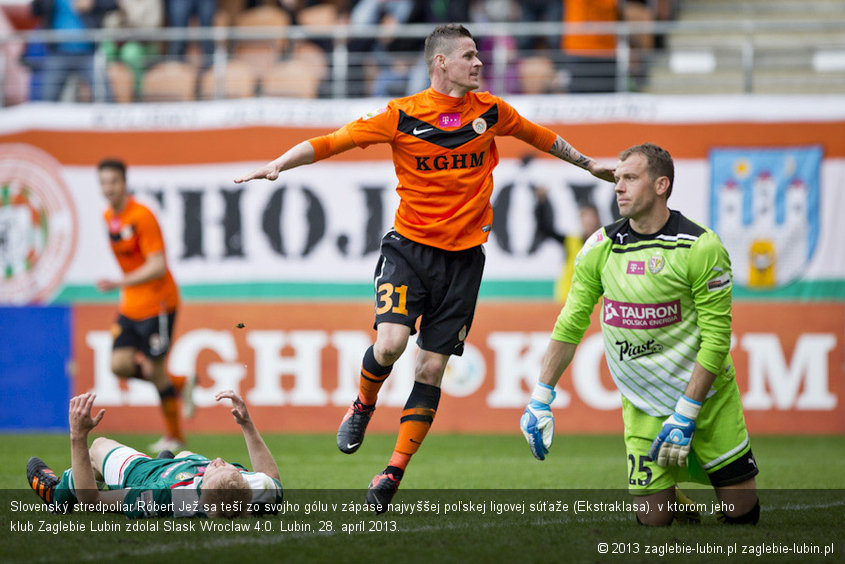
point(369, 387)
point(373, 376)
point(178, 382)
point(399, 460)
point(415, 422)
point(170, 409)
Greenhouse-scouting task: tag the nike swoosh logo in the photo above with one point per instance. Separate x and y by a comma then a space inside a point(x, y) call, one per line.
point(352, 445)
point(415, 442)
point(418, 131)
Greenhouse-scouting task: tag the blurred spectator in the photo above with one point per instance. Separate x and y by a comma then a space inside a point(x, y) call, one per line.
point(64, 59)
point(369, 12)
point(498, 53)
point(381, 58)
point(289, 6)
point(432, 11)
point(440, 11)
point(295, 7)
point(664, 11)
point(572, 242)
point(540, 11)
point(500, 77)
point(393, 64)
point(134, 14)
point(591, 58)
point(179, 13)
point(391, 81)
point(391, 67)
point(642, 44)
point(16, 77)
point(538, 75)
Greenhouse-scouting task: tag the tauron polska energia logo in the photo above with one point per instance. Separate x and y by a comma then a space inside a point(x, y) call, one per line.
point(38, 224)
point(641, 316)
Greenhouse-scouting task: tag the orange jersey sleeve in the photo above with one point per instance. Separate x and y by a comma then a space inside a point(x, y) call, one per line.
point(444, 153)
point(514, 124)
point(135, 235)
point(336, 142)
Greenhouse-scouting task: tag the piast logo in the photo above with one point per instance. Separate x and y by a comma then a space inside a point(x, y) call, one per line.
point(630, 351)
point(37, 224)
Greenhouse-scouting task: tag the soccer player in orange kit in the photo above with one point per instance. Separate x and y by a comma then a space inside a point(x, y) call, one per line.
point(148, 299)
point(431, 261)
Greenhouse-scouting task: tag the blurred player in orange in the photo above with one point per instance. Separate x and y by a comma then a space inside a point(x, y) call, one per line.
point(431, 261)
point(148, 299)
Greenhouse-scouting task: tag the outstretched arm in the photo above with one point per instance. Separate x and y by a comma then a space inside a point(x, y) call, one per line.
point(298, 155)
point(563, 150)
point(307, 152)
point(81, 424)
point(154, 267)
point(259, 455)
point(541, 137)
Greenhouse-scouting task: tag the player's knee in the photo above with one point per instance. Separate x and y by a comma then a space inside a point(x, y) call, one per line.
point(98, 449)
point(123, 369)
point(750, 517)
point(98, 443)
point(387, 350)
point(430, 371)
point(655, 518)
point(101, 446)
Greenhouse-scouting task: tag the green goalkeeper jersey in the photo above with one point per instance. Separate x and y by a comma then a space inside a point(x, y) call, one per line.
point(667, 304)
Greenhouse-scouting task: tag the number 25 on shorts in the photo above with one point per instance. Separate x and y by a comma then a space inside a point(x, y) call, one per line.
point(385, 299)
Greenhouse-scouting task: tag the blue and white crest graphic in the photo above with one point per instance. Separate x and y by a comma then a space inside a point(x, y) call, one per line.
point(764, 204)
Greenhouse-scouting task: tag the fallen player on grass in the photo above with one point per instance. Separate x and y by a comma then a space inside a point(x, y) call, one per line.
point(139, 486)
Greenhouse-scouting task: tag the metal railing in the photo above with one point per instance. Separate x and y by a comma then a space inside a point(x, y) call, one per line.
point(742, 39)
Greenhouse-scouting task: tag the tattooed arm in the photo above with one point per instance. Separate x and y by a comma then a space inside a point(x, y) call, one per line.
point(563, 150)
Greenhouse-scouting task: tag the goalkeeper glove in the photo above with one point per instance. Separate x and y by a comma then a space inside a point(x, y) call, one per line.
point(537, 422)
point(672, 444)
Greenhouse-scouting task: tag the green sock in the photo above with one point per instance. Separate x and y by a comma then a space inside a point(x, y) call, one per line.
point(64, 497)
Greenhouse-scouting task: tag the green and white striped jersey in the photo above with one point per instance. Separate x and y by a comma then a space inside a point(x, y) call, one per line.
point(667, 304)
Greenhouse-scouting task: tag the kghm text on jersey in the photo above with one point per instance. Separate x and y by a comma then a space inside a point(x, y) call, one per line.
point(457, 161)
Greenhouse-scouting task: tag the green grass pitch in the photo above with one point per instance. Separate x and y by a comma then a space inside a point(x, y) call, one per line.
point(802, 482)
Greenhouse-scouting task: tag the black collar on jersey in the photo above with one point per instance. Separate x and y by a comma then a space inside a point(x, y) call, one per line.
point(677, 232)
point(447, 139)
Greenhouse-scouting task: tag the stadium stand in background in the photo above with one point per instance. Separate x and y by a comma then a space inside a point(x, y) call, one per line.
point(782, 47)
point(353, 48)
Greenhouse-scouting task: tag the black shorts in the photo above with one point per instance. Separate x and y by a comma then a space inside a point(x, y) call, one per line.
point(151, 336)
point(414, 280)
point(742, 469)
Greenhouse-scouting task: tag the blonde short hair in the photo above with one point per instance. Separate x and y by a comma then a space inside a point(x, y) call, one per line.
point(226, 496)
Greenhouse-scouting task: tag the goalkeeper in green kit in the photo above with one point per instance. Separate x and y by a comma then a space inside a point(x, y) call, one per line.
point(666, 326)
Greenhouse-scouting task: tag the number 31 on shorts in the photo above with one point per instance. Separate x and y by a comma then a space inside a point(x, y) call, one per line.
point(385, 298)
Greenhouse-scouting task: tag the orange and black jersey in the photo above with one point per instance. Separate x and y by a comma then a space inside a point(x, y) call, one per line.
point(134, 234)
point(444, 153)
